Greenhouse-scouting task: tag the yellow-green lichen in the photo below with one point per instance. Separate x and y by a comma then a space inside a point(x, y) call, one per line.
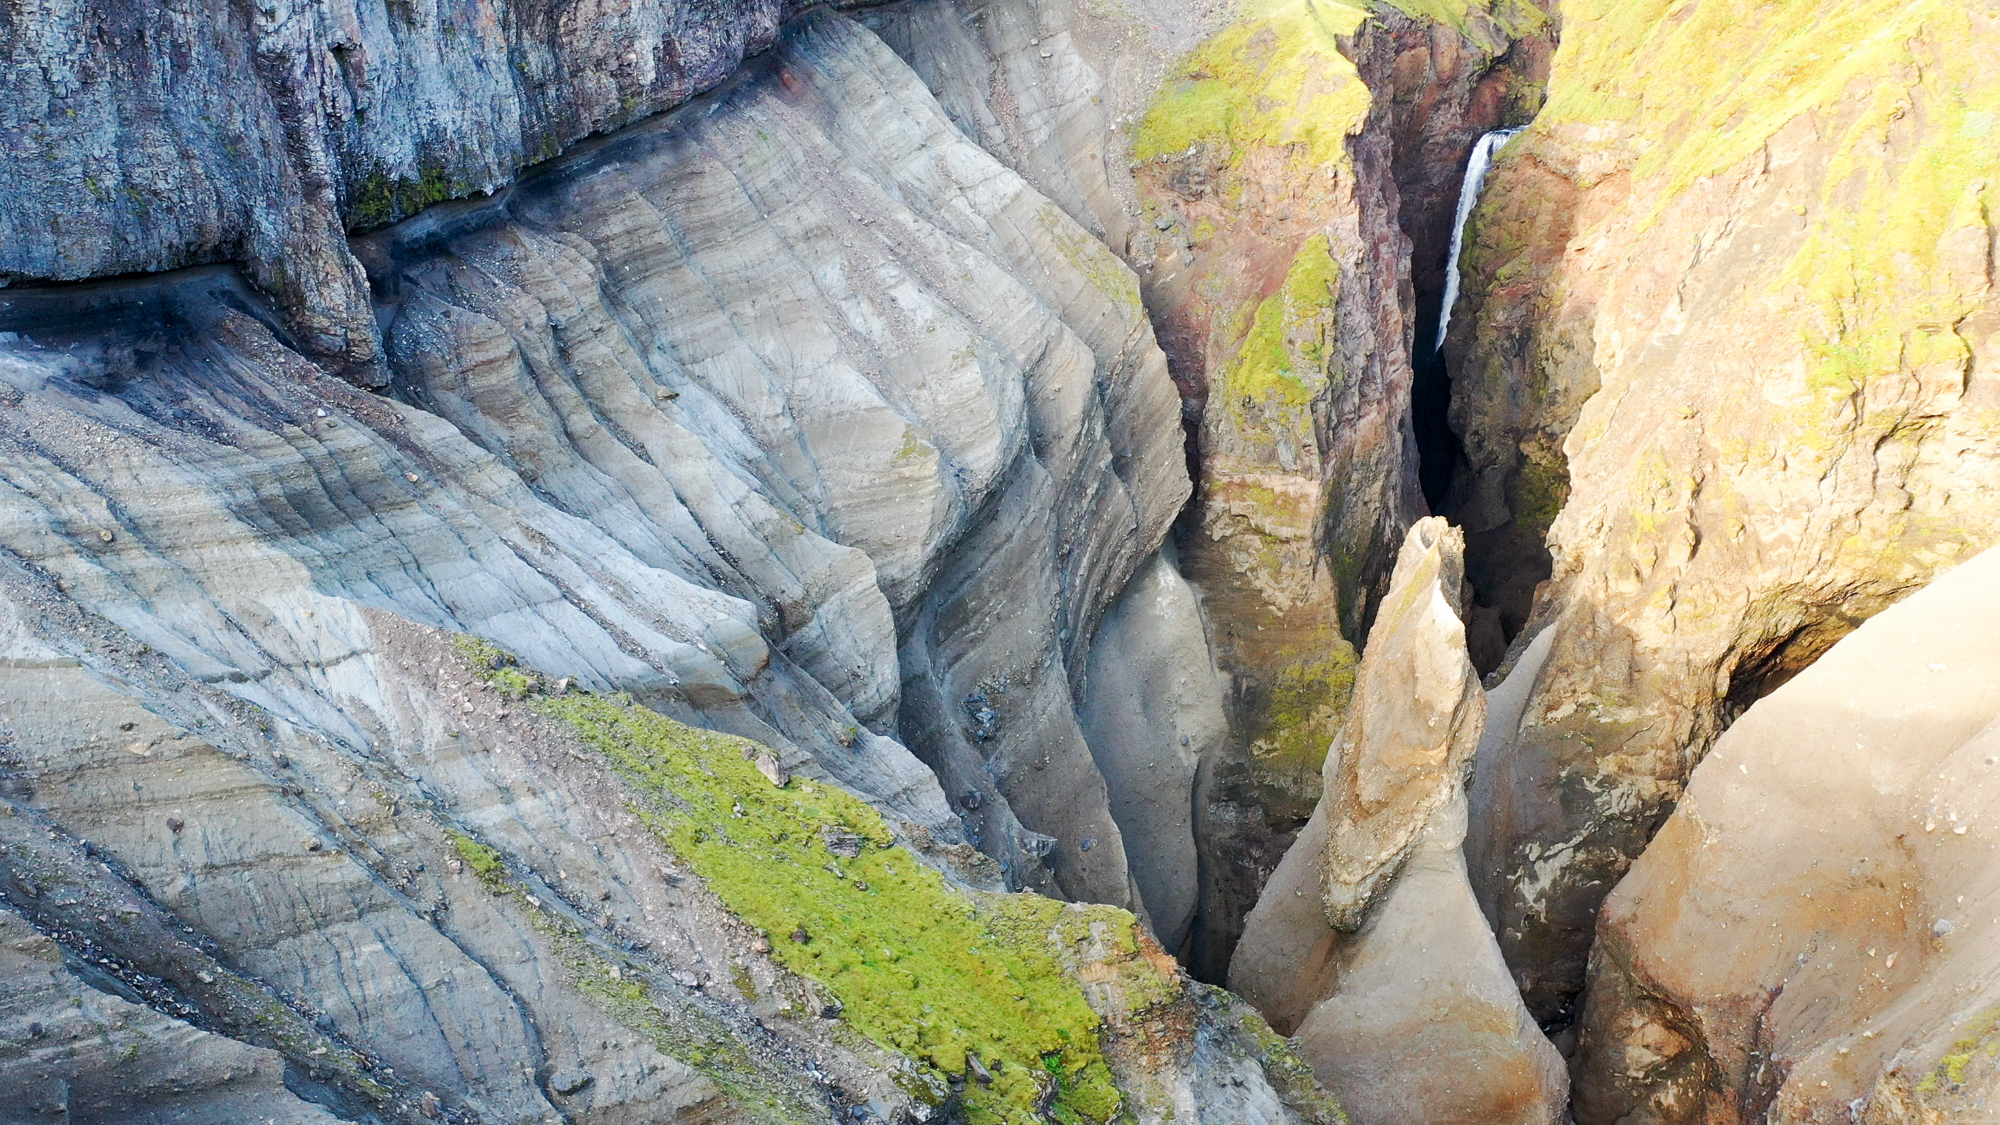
point(1274, 78)
point(1983, 1037)
point(1903, 96)
point(917, 966)
point(1283, 356)
point(1091, 258)
point(1308, 704)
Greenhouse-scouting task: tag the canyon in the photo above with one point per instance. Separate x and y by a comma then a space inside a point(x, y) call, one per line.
point(1382, 561)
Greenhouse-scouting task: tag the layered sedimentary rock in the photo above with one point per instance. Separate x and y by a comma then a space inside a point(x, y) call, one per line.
point(1812, 935)
point(86, 1053)
point(1736, 323)
point(157, 136)
point(793, 416)
point(1367, 943)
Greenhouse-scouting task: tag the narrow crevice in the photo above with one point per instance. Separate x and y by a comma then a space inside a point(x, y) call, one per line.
point(1440, 455)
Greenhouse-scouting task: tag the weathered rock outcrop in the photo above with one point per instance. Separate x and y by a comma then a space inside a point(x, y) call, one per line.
point(1367, 941)
point(1275, 245)
point(78, 1051)
point(1812, 936)
point(1736, 322)
point(792, 415)
point(150, 137)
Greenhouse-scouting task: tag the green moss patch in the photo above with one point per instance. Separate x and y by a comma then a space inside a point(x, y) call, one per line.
point(380, 199)
point(918, 966)
point(483, 861)
point(1284, 354)
point(1275, 78)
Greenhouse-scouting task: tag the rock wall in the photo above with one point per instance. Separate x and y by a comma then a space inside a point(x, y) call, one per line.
point(1735, 324)
point(1367, 943)
point(1292, 170)
point(1811, 936)
point(791, 415)
point(153, 137)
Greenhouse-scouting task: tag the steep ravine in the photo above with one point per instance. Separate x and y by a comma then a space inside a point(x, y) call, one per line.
point(779, 564)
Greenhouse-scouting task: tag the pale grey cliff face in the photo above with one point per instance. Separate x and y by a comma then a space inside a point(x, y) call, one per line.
point(793, 414)
point(146, 137)
point(955, 381)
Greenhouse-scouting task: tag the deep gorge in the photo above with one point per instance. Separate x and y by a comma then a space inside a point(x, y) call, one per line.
point(930, 562)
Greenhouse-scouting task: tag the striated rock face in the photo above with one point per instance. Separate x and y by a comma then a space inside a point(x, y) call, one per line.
point(156, 136)
point(84, 1053)
point(1811, 936)
point(1270, 250)
point(1736, 323)
point(999, 444)
point(793, 416)
point(1367, 942)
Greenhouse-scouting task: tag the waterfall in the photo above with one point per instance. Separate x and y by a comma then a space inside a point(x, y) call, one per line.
point(1468, 195)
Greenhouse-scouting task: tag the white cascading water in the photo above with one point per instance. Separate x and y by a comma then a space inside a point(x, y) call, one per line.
point(1468, 196)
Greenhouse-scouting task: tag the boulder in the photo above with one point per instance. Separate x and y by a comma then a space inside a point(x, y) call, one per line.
point(1815, 933)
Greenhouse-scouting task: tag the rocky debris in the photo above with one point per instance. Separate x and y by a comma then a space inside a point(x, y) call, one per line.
point(78, 1051)
point(1367, 944)
point(1812, 935)
point(767, 764)
point(1748, 458)
point(845, 845)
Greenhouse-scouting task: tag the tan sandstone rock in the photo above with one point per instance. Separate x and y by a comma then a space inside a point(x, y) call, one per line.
point(1735, 323)
point(1368, 943)
point(1815, 934)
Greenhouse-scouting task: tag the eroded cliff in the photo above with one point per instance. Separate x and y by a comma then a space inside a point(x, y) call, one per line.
point(1733, 321)
point(792, 415)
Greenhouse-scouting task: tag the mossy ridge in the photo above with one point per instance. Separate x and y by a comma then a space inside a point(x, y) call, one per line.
point(919, 967)
point(1275, 77)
